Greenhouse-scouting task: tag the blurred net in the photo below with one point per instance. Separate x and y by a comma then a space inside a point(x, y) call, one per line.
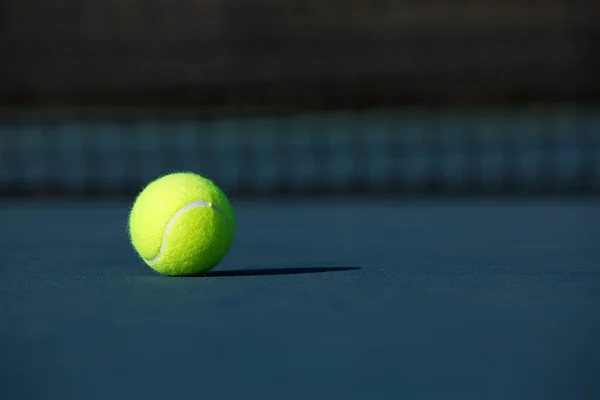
point(300, 97)
point(419, 152)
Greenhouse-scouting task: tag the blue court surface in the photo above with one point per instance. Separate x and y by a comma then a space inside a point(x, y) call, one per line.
point(348, 300)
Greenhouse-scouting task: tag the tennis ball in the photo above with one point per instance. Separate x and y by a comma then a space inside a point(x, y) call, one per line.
point(181, 224)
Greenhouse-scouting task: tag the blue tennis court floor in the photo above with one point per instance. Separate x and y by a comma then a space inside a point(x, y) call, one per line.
point(377, 300)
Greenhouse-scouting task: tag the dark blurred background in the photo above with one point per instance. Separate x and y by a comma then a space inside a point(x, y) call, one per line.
point(301, 98)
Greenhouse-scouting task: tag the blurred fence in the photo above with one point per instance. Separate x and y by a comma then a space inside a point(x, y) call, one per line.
point(309, 52)
point(238, 89)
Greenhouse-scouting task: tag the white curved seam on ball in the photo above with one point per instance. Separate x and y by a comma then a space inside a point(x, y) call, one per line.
point(188, 206)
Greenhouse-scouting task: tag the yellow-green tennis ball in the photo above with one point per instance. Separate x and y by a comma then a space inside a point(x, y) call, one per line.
point(181, 224)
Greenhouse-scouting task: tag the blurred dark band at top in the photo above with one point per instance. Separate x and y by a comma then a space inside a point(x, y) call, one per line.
point(309, 53)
